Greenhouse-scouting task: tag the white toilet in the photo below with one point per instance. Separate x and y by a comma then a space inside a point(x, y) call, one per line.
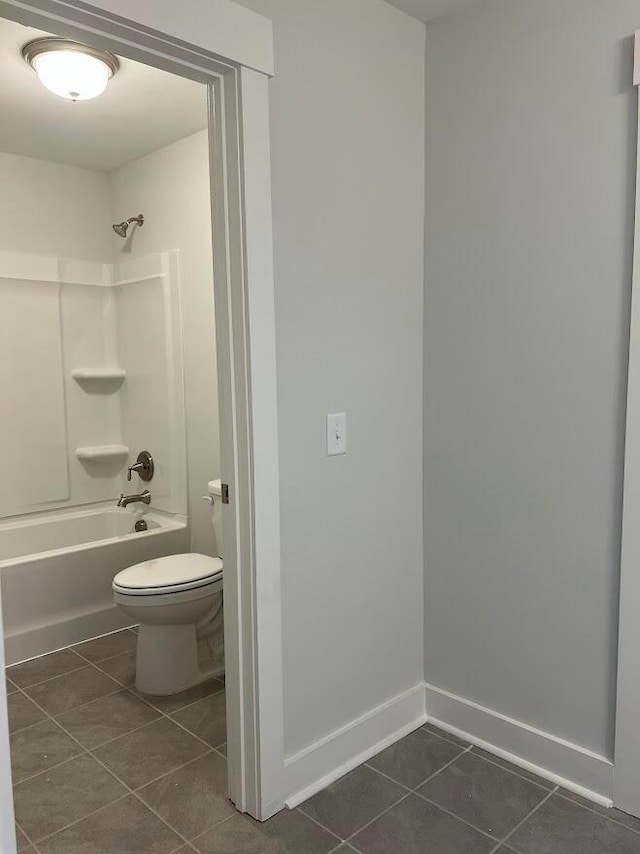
point(177, 603)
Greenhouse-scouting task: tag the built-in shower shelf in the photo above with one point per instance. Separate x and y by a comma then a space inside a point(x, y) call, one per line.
point(98, 375)
point(98, 453)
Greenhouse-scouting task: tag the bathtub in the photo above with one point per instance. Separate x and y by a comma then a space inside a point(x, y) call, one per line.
point(57, 568)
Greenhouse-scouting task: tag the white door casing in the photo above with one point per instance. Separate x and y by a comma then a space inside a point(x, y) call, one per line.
point(626, 775)
point(230, 49)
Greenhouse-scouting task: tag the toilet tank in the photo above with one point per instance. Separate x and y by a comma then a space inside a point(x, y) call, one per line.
point(214, 488)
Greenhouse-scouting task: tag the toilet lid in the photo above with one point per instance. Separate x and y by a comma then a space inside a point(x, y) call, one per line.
point(169, 574)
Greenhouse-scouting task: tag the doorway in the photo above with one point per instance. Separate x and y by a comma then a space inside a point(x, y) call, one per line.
point(243, 293)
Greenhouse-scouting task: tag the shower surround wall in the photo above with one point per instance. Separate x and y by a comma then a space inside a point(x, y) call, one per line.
point(76, 304)
point(92, 371)
point(171, 187)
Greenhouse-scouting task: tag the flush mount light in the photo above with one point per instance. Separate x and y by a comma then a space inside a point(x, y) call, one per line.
point(70, 69)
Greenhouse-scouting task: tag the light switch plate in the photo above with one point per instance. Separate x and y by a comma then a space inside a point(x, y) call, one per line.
point(336, 434)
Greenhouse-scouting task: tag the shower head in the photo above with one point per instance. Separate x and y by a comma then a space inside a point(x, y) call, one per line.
point(121, 228)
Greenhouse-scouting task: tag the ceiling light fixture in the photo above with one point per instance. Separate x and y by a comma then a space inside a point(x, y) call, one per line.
point(69, 69)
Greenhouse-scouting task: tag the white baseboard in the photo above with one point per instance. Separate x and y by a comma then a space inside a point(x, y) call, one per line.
point(563, 763)
point(38, 640)
point(333, 756)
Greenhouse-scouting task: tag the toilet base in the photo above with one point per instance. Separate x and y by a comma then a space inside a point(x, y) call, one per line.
point(167, 660)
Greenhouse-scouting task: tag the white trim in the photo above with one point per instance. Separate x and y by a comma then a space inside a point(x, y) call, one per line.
point(313, 768)
point(555, 759)
point(636, 59)
point(626, 779)
point(217, 28)
point(268, 677)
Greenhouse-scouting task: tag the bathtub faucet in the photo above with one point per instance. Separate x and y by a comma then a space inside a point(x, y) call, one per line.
point(143, 498)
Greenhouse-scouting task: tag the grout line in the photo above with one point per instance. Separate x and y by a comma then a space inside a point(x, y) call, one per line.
point(192, 842)
point(503, 841)
point(407, 789)
point(29, 839)
point(133, 690)
point(364, 826)
point(129, 791)
point(83, 664)
point(517, 771)
point(591, 808)
point(452, 739)
point(431, 776)
point(78, 820)
point(90, 752)
point(459, 817)
point(111, 740)
point(73, 708)
point(320, 824)
point(193, 735)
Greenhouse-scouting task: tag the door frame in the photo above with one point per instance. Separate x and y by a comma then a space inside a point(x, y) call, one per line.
point(626, 769)
point(245, 341)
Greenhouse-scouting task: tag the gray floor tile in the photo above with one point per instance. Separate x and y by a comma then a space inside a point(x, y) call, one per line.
point(71, 690)
point(52, 800)
point(21, 840)
point(122, 668)
point(107, 646)
point(489, 797)
point(150, 752)
point(563, 827)
point(38, 748)
point(10, 687)
point(172, 703)
point(206, 719)
point(192, 799)
point(612, 813)
point(44, 667)
point(414, 758)
point(289, 832)
point(434, 730)
point(22, 712)
point(353, 801)
point(222, 749)
point(107, 718)
point(126, 827)
point(416, 827)
point(515, 769)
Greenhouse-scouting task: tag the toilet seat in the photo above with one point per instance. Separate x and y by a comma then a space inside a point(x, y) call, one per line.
point(171, 574)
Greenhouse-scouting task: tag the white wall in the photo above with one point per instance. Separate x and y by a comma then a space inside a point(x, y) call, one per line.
point(59, 212)
point(171, 188)
point(50, 209)
point(530, 165)
point(347, 165)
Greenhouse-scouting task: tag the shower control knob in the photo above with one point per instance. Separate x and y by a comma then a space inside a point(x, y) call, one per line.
point(144, 466)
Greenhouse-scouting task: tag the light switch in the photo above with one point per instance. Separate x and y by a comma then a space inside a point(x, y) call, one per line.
point(336, 434)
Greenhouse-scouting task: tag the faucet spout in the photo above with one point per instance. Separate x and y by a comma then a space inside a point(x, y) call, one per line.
point(143, 498)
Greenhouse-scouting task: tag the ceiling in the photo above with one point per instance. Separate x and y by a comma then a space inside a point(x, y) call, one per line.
point(142, 110)
point(425, 10)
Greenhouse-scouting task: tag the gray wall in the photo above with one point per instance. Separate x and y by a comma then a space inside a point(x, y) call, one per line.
point(347, 111)
point(530, 170)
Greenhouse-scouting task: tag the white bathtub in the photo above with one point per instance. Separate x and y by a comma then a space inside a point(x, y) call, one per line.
point(56, 572)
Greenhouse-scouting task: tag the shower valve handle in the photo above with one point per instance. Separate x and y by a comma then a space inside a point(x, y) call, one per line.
point(144, 466)
point(134, 467)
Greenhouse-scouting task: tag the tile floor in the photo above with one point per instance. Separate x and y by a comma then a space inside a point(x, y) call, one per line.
point(99, 769)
